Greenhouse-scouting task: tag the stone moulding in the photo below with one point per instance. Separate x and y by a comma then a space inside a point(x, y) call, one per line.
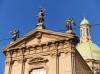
point(41, 48)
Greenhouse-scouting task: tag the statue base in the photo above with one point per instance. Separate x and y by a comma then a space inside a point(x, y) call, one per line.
point(40, 26)
point(70, 32)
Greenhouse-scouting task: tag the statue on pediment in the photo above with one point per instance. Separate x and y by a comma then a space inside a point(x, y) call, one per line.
point(41, 15)
point(15, 35)
point(69, 23)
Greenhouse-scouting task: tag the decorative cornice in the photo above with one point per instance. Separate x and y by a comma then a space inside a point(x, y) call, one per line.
point(44, 31)
point(42, 48)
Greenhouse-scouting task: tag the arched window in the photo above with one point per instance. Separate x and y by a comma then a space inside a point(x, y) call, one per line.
point(38, 71)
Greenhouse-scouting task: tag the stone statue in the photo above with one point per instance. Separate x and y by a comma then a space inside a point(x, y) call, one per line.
point(69, 23)
point(40, 16)
point(15, 35)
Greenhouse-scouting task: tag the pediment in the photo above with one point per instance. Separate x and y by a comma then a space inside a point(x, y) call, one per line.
point(37, 37)
point(40, 37)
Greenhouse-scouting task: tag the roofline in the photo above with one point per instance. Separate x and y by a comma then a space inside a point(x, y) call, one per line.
point(83, 60)
point(26, 36)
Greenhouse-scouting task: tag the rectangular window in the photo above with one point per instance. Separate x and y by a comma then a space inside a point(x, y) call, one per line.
point(38, 71)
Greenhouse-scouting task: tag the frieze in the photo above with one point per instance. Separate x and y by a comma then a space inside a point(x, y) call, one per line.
point(46, 48)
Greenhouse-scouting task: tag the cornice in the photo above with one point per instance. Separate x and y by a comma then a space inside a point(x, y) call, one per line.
point(27, 36)
point(42, 48)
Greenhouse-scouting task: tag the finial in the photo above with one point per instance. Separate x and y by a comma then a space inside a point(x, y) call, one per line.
point(84, 22)
point(15, 35)
point(84, 18)
point(69, 23)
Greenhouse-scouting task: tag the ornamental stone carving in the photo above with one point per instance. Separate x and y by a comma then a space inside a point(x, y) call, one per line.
point(38, 35)
point(37, 60)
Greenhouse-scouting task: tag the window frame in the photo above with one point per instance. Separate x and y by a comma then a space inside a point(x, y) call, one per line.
point(37, 69)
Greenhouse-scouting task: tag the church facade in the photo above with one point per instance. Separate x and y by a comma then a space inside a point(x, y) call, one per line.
point(45, 52)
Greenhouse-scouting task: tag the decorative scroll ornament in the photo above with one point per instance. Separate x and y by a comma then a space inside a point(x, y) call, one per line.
point(37, 60)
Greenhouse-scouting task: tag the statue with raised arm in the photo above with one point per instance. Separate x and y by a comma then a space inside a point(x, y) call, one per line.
point(15, 35)
point(69, 23)
point(41, 15)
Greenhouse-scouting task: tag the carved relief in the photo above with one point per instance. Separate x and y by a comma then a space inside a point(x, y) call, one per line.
point(38, 36)
point(37, 60)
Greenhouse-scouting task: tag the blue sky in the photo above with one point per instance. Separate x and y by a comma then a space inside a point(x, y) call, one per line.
point(22, 15)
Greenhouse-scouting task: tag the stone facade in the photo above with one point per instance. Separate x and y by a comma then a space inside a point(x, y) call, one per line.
point(43, 49)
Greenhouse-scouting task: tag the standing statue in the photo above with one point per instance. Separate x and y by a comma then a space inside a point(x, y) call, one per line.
point(41, 15)
point(69, 23)
point(15, 35)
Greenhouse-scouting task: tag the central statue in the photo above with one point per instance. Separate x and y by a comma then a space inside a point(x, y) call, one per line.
point(41, 15)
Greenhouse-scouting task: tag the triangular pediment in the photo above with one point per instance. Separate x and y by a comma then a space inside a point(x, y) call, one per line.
point(42, 37)
point(38, 36)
